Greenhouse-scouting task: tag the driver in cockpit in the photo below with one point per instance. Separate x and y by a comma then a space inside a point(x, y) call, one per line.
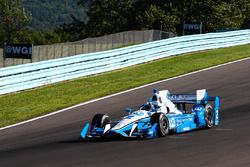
point(165, 107)
point(157, 103)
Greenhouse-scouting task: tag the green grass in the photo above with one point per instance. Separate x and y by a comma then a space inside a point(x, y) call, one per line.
point(32, 103)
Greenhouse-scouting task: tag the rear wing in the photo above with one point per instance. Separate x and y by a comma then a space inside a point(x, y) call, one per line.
point(201, 96)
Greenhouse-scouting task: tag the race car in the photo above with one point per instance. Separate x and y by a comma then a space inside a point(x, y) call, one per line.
point(164, 113)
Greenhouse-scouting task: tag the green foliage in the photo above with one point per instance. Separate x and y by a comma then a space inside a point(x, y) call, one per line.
point(72, 32)
point(110, 16)
point(50, 14)
point(46, 17)
point(13, 18)
point(246, 12)
point(39, 37)
point(63, 20)
point(156, 18)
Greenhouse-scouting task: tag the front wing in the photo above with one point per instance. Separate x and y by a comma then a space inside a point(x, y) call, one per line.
point(142, 129)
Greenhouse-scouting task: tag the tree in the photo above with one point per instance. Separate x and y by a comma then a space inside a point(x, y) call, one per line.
point(112, 16)
point(108, 16)
point(73, 31)
point(155, 16)
point(219, 14)
point(245, 8)
point(13, 18)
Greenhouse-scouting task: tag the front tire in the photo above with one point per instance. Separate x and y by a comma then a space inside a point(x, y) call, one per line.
point(100, 120)
point(162, 123)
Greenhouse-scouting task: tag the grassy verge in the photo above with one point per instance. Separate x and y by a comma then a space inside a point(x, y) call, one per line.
point(28, 104)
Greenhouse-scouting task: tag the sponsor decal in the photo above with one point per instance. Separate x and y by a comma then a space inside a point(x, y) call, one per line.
point(182, 97)
point(216, 114)
point(192, 28)
point(186, 128)
point(198, 108)
point(172, 122)
point(18, 51)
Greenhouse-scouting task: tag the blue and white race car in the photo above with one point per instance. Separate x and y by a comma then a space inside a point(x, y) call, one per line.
point(164, 113)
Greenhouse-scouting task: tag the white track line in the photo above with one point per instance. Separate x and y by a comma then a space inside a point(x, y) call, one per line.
point(95, 100)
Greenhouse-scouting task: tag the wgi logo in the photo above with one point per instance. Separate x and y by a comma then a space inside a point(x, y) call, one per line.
point(18, 51)
point(192, 28)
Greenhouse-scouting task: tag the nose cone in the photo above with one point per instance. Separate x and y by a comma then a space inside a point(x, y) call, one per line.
point(130, 119)
point(122, 124)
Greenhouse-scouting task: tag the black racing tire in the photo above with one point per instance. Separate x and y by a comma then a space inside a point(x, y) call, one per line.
point(162, 123)
point(209, 115)
point(100, 120)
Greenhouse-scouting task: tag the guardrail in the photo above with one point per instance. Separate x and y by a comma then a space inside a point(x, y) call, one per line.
point(22, 77)
point(88, 45)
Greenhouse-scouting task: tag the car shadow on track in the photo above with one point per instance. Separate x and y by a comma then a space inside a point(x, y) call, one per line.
point(171, 135)
point(90, 140)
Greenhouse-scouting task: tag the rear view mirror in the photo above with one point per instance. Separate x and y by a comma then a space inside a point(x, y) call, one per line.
point(128, 110)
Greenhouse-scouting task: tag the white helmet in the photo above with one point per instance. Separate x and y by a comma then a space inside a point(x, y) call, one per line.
point(156, 100)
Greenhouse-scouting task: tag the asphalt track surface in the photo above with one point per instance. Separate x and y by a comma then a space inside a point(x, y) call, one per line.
point(54, 141)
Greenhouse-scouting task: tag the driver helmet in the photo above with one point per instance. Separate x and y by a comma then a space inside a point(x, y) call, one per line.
point(156, 99)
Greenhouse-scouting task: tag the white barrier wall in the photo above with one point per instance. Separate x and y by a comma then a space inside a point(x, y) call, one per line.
point(33, 75)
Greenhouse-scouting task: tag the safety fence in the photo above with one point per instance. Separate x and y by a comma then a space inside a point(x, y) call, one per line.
point(88, 45)
point(37, 74)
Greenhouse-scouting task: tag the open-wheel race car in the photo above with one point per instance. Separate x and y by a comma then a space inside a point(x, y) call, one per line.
point(163, 113)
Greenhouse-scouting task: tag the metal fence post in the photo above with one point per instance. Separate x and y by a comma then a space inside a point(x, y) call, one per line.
point(4, 56)
point(82, 47)
point(32, 53)
point(47, 52)
point(68, 50)
point(54, 50)
point(75, 48)
point(61, 50)
point(39, 53)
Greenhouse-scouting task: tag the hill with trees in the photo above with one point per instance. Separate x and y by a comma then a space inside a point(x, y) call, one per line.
point(110, 16)
point(70, 20)
point(47, 15)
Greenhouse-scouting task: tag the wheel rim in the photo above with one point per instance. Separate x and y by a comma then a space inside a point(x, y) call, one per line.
point(164, 125)
point(209, 117)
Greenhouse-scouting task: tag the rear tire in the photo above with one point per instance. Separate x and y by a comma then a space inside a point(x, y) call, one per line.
point(100, 120)
point(162, 123)
point(209, 115)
